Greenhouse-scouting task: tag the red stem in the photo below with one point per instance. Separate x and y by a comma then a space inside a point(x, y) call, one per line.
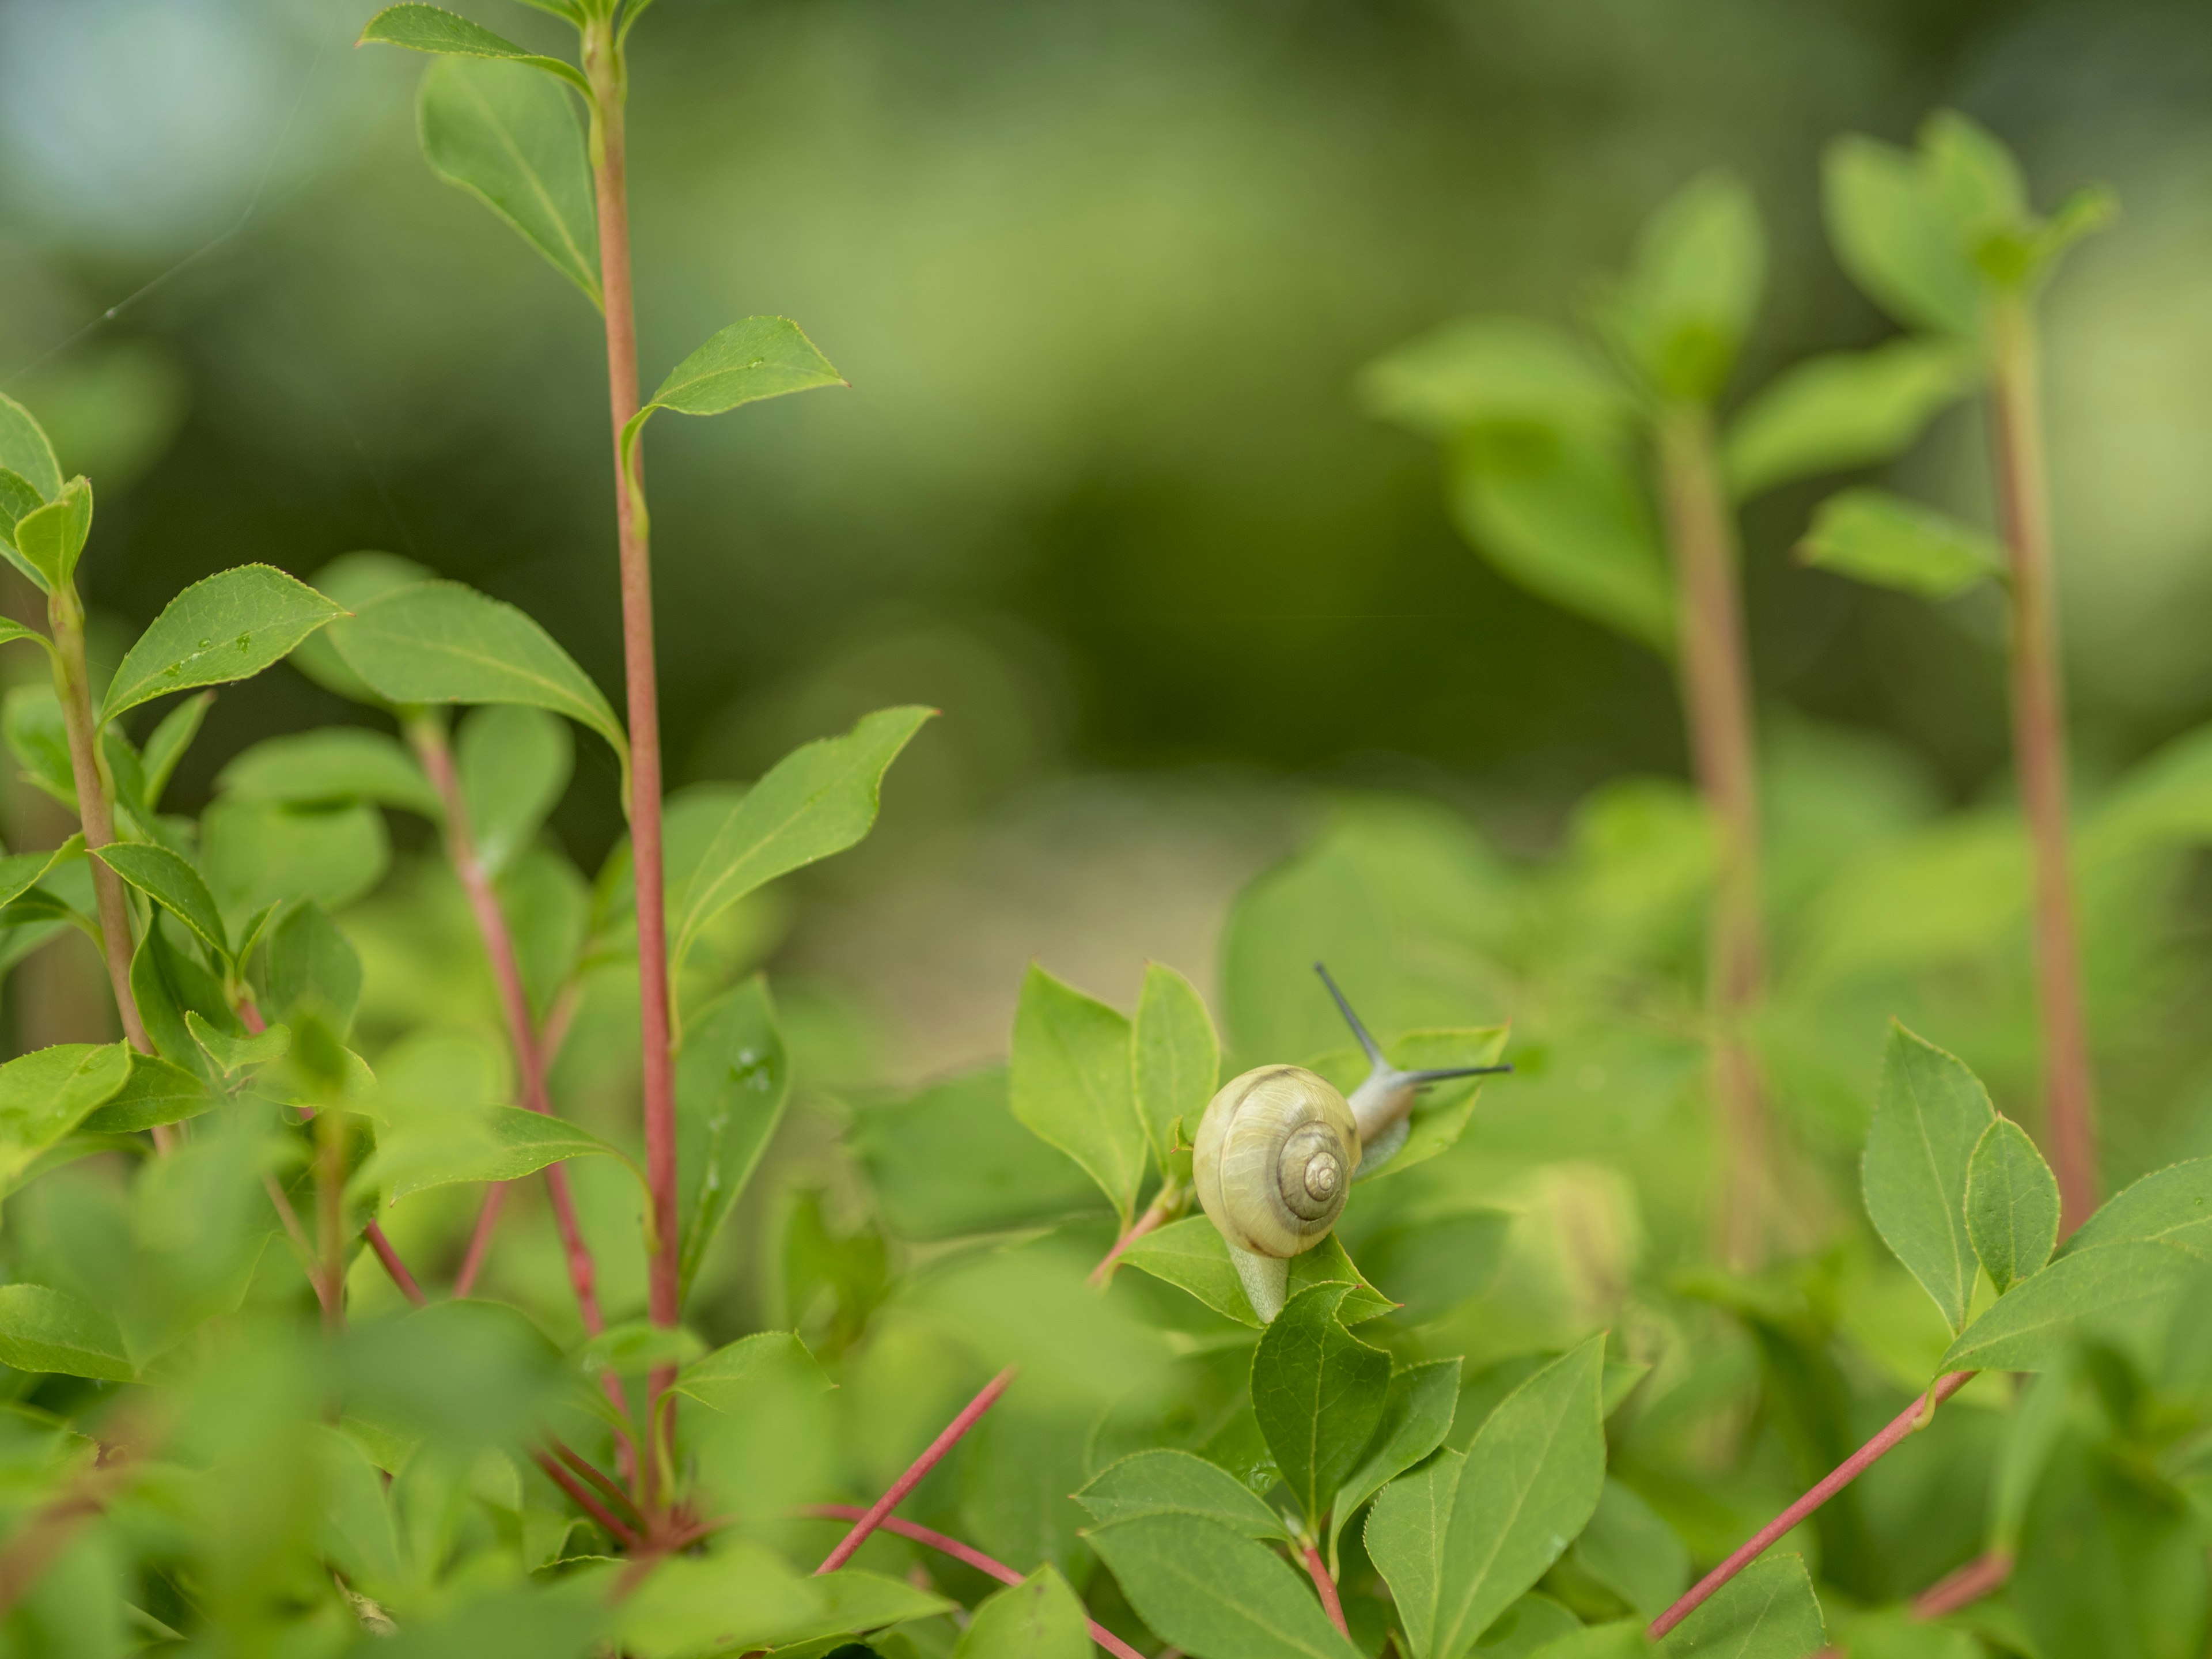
point(584, 1500)
point(393, 1264)
point(604, 64)
point(1912, 1418)
point(1329, 1601)
point(874, 1515)
point(583, 1467)
point(1985, 1575)
point(970, 1555)
point(1155, 1213)
point(549, 1040)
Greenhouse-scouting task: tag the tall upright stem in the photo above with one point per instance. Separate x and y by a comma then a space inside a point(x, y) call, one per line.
point(1716, 679)
point(2039, 738)
point(603, 65)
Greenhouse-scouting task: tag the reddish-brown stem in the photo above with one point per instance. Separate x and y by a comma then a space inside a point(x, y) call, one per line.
point(550, 1037)
point(968, 1555)
point(1714, 664)
point(873, 1516)
point(330, 1212)
point(583, 1499)
point(1986, 1574)
point(1913, 1417)
point(1330, 1602)
point(608, 1488)
point(2038, 739)
point(393, 1264)
point(1168, 1199)
point(604, 64)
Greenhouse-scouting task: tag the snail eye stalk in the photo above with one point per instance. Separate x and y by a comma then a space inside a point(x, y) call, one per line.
point(1380, 1063)
point(1374, 1049)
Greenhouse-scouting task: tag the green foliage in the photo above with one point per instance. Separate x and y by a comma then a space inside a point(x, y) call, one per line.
point(1177, 1059)
point(48, 539)
point(1930, 1114)
point(1890, 542)
point(431, 28)
point(1318, 1392)
point(1766, 1612)
point(2012, 1204)
point(1848, 409)
point(229, 626)
point(732, 1080)
point(1070, 1084)
point(1679, 316)
point(1213, 1591)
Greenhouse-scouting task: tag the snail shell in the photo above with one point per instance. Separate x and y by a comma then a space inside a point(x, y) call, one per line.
point(1274, 1159)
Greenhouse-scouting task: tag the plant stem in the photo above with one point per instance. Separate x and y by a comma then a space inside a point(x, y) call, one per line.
point(2039, 728)
point(968, 1555)
point(394, 1266)
point(1331, 1603)
point(330, 1213)
point(584, 1500)
point(1913, 1417)
point(300, 1242)
point(1715, 678)
point(1168, 1199)
point(1986, 1574)
point(874, 1516)
point(73, 685)
point(604, 66)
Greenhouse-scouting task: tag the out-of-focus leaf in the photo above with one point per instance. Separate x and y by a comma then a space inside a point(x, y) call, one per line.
point(510, 137)
point(1495, 371)
point(170, 882)
point(1037, 1618)
point(156, 1092)
point(31, 718)
point(1070, 1084)
point(732, 1078)
point(498, 1143)
point(725, 1378)
point(47, 1092)
point(311, 965)
point(258, 852)
point(1215, 1592)
point(818, 800)
point(1892, 233)
point(1623, 1639)
point(229, 626)
point(1432, 1264)
point(1928, 1115)
point(1680, 314)
point(25, 451)
point(2012, 1204)
point(1029, 1306)
point(1417, 1414)
point(49, 1330)
point(353, 580)
point(166, 744)
point(1164, 1482)
point(1630, 1549)
point(638, 1345)
point(1318, 1391)
point(338, 763)
point(1176, 1055)
point(1875, 536)
point(434, 29)
point(2112, 1563)
point(549, 917)
point(1019, 1472)
point(738, 1598)
point(22, 872)
point(1844, 409)
point(1768, 1611)
point(513, 763)
point(1320, 906)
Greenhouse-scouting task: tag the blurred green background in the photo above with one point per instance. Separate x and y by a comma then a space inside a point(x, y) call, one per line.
point(1101, 276)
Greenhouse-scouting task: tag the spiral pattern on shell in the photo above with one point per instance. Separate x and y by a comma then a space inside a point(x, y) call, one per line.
point(1274, 1158)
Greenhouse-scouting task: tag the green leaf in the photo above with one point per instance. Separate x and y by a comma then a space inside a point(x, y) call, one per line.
point(165, 982)
point(1163, 1482)
point(337, 763)
point(38, 737)
point(231, 1054)
point(1214, 1592)
point(1929, 1113)
point(638, 1345)
point(1681, 313)
point(1037, 1618)
point(25, 451)
point(2171, 1206)
point(229, 626)
point(732, 1078)
point(1875, 536)
point(1318, 1392)
point(508, 136)
point(1848, 408)
point(1417, 1414)
point(1459, 1541)
point(50, 537)
point(47, 1092)
point(1071, 1084)
point(1177, 1058)
point(170, 739)
point(1192, 1256)
point(2012, 1204)
point(1622, 1639)
point(19, 498)
point(1495, 371)
point(497, 1143)
point(513, 764)
point(48, 1330)
point(170, 882)
point(258, 852)
point(1893, 235)
point(1631, 1550)
point(353, 580)
point(2036, 1322)
point(310, 966)
point(1768, 1611)
point(11, 630)
point(440, 642)
point(155, 1092)
point(758, 357)
point(1434, 1263)
point(724, 1379)
point(739, 1598)
point(548, 906)
point(818, 800)
point(22, 872)
point(1565, 517)
point(431, 28)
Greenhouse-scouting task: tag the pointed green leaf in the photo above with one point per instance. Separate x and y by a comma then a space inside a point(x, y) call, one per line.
point(818, 800)
point(1177, 1057)
point(514, 765)
point(1847, 408)
point(1037, 1618)
point(1929, 1113)
point(497, 1143)
point(510, 137)
point(47, 1092)
point(732, 1078)
point(172, 883)
point(1487, 371)
point(232, 1055)
point(166, 744)
point(1192, 1256)
point(2034, 1325)
point(638, 1345)
point(1417, 1414)
point(440, 642)
point(432, 28)
point(2171, 1206)
point(1680, 312)
point(1892, 234)
point(1318, 1392)
point(50, 537)
point(38, 737)
point(310, 966)
point(353, 580)
point(229, 626)
point(1532, 1478)
point(1768, 1611)
point(758, 357)
point(724, 1379)
point(22, 872)
point(2012, 1204)
point(1630, 1549)
point(1404, 1535)
point(155, 1092)
point(45, 1330)
point(337, 763)
point(260, 853)
point(11, 630)
point(1874, 536)
point(1214, 1592)
point(25, 451)
point(1161, 1482)
point(1071, 1085)
point(1622, 1638)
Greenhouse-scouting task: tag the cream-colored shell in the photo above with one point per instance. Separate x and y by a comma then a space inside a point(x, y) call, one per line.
point(1274, 1159)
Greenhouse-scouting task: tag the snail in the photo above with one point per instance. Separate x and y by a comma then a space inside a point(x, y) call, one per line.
point(1279, 1147)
